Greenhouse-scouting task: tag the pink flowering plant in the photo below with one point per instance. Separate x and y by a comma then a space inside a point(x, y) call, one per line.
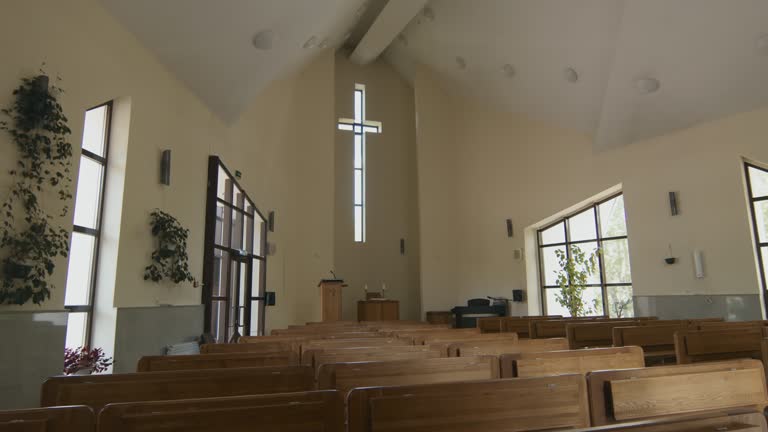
point(76, 359)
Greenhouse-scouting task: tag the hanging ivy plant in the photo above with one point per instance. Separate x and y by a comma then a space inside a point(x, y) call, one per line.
point(170, 260)
point(30, 240)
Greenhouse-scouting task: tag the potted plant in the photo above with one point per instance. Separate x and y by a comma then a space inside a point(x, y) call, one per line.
point(169, 259)
point(572, 278)
point(30, 239)
point(85, 361)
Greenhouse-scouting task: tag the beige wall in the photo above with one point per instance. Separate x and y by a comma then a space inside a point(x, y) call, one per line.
point(391, 198)
point(285, 167)
point(478, 167)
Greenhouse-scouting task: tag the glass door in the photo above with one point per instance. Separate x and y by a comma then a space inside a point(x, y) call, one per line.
point(235, 260)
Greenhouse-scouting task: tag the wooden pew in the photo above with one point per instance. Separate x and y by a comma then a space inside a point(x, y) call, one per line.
point(505, 346)
point(746, 420)
point(556, 327)
point(490, 324)
point(216, 361)
point(633, 394)
point(367, 354)
point(296, 412)
point(533, 364)
point(258, 347)
point(693, 346)
point(346, 376)
point(521, 325)
point(54, 419)
point(96, 391)
point(593, 334)
point(327, 334)
point(443, 341)
point(308, 348)
point(657, 342)
point(415, 333)
point(548, 403)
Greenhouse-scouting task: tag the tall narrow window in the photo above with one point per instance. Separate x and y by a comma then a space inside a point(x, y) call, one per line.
point(359, 126)
point(84, 245)
point(234, 272)
point(757, 189)
point(601, 225)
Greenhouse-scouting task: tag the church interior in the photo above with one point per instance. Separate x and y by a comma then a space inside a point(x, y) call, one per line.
point(383, 215)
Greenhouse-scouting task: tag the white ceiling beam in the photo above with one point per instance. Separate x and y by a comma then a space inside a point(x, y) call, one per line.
point(390, 22)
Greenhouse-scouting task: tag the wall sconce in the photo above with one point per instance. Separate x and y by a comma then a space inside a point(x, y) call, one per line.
point(165, 168)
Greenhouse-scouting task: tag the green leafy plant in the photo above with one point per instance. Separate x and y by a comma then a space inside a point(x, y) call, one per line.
point(572, 278)
point(170, 259)
point(30, 240)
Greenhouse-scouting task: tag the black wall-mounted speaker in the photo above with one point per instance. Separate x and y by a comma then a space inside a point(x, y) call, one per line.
point(517, 295)
point(510, 228)
point(673, 203)
point(402, 246)
point(269, 298)
point(271, 221)
point(165, 168)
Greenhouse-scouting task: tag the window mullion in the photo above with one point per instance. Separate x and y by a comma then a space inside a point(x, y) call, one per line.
point(600, 262)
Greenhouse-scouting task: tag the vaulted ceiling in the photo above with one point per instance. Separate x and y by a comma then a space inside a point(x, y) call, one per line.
point(209, 45)
point(588, 65)
point(708, 57)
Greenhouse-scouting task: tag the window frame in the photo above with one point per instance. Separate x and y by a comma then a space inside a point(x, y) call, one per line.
point(212, 201)
point(94, 232)
point(599, 240)
point(751, 199)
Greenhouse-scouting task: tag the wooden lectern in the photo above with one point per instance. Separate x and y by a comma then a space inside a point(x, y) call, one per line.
point(330, 299)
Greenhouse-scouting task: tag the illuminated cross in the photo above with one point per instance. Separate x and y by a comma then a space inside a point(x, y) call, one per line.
point(360, 126)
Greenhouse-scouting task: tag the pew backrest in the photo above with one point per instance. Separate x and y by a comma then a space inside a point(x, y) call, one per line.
point(296, 412)
point(346, 376)
point(257, 347)
point(217, 361)
point(532, 364)
point(367, 354)
point(630, 394)
point(53, 419)
point(96, 391)
point(592, 335)
point(352, 343)
point(747, 420)
point(498, 405)
point(656, 341)
point(693, 346)
point(502, 346)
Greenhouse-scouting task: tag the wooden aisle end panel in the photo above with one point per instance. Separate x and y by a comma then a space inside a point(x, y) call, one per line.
point(499, 405)
point(600, 393)
point(346, 376)
point(570, 362)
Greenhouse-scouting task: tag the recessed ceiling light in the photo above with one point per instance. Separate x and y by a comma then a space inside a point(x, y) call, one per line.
point(310, 43)
point(461, 63)
point(647, 85)
point(570, 75)
point(762, 44)
point(263, 40)
point(508, 70)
